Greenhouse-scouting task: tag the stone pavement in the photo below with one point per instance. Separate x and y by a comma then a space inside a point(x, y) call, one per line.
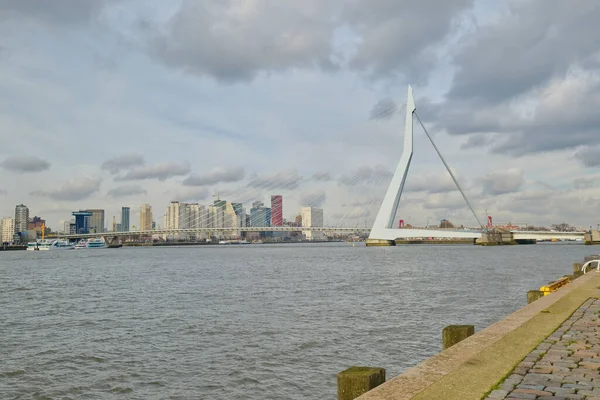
point(564, 366)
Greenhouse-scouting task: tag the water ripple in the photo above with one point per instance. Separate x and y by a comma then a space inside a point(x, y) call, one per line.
point(257, 322)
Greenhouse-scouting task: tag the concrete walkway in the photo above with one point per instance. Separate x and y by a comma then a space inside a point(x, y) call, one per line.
point(564, 366)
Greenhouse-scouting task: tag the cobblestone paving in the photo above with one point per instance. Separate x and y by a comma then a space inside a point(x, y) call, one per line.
point(564, 366)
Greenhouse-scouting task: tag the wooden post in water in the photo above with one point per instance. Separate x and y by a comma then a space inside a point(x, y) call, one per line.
point(453, 334)
point(356, 381)
point(577, 272)
point(533, 295)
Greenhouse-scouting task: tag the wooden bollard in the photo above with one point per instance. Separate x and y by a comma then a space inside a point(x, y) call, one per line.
point(533, 295)
point(356, 381)
point(453, 334)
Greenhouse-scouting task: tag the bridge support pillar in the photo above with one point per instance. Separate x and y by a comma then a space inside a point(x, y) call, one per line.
point(380, 242)
point(496, 237)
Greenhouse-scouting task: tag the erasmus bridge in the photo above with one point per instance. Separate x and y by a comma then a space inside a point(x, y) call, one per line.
point(383, 231)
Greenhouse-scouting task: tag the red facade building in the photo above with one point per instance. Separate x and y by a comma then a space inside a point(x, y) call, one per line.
point(276, 210)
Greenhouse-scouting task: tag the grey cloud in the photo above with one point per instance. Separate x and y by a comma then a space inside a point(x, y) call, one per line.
point(398, 36)
point(3, 192)
point(283, 180)
point(536, 59)
point(162, 172)
point(125, 161)
point(503, 182)
point(366, 175)
point(24, 164)
point(127, 190)
point(55, 11)
point(476, 140)
point(589, 156)
point(530, 45)
point(384, 109)
point(584, 183)
point(322, 177)
point(217, 175)
point(429, 182)
point(74, 190)
point(564, 117)
point(313, 199)
point(236, 40)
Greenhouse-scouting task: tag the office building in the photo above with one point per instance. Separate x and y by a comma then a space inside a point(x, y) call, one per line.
point(82, 221)
point(260, 216)
point(312, 217)
point(145, 217)
point(276, 210)
point(7, 230)
point(21, 218)
point(125, 219)
point(96, 221)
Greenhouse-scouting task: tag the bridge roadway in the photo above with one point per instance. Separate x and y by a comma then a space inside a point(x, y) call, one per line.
point(217, 230)
point(403, 233)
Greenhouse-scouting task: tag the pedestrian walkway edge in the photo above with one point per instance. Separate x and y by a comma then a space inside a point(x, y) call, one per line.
point(471, 368)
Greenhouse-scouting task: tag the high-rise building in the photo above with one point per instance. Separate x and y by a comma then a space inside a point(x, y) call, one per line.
point(240, 213)
point(21, 218)
point(36, 223)
point(96, 221)
point(67, 227)
point(260, 216)
point(7, 230)
point(145, 217)
point(276, 210)
point(312, 217)
point(125, 219)
point(82, 221)
point(172, 216)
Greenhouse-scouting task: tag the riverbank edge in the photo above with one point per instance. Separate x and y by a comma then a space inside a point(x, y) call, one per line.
point(473, 367)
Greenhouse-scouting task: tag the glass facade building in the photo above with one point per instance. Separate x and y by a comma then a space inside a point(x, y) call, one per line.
point(125, 219)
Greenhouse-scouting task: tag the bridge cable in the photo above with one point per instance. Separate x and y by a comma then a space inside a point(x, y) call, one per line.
point(449, 171)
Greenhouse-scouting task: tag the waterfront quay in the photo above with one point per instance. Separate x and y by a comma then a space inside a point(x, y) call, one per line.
point(549, 349)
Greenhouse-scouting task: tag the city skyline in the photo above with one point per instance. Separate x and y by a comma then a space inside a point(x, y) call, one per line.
point(312, 118)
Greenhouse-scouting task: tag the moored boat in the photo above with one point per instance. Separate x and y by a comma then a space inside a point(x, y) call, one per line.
point(96, 243)
point(46, 244)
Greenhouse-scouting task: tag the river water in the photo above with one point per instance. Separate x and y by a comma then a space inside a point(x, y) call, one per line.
point(246, 322)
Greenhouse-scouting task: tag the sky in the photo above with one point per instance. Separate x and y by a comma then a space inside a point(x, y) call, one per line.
point(112, 103)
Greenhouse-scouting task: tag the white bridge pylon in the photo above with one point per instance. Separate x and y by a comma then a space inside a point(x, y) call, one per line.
point(383, 228)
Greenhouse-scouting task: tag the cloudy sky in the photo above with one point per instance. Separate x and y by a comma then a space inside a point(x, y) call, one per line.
point(111, 103)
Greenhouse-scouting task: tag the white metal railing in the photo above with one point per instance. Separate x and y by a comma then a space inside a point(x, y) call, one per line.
point(584, 266)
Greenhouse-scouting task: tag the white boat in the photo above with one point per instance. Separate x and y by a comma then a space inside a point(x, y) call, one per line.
point(224, 242)
point(96, 243)
point(46, 244)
